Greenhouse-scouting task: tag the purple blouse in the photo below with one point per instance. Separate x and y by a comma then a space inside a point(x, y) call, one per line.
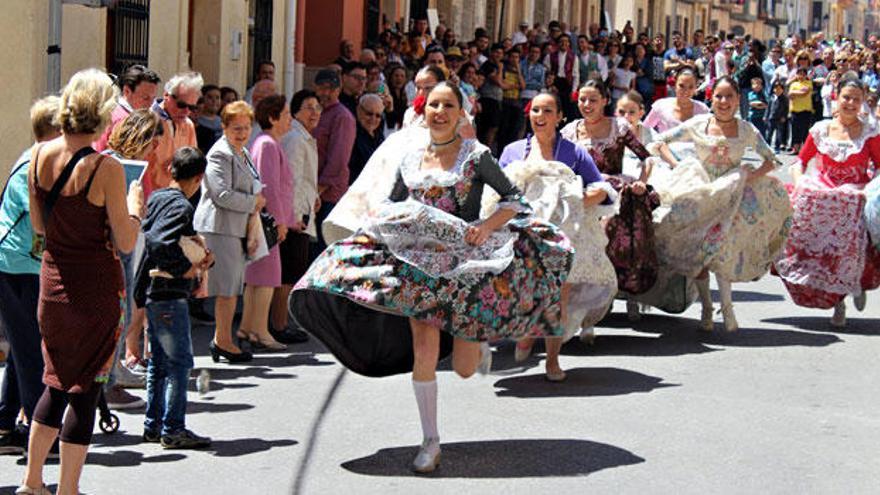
point(575, 156)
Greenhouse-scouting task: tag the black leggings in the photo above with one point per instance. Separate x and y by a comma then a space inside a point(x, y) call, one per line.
point(80, 418)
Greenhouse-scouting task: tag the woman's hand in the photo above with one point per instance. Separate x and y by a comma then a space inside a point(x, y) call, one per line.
point(317, 204)
point(296, 227)
point(477, 235)
point(639, 188)
point(282, 232)
point(259, 203)
point(135, 199)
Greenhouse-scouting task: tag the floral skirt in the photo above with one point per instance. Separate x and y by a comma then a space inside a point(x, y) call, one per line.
point(732, 228)
point(521, 300)
point(631, 237)
point(828, 254)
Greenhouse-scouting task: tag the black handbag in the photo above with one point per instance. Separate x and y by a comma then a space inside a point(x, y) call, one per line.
point(270, 228)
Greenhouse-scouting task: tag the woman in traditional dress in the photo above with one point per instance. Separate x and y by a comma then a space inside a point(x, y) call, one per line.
point(630, 232)
point(564, 187)
point(670, 112)
point(828, 254)
point(424, 272)
point(720, 214)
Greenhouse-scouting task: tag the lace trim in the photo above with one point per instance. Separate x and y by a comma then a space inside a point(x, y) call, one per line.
point(572, 133)
point(832, 147)
point(416, 178)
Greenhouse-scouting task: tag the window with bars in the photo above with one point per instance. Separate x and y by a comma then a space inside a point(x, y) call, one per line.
point(128, 34)
point(260, 35)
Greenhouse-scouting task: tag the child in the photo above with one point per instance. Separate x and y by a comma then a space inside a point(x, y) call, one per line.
point(631, 108)
point(168, 223)
point(777, 117)
point(757, 105)
point(829, 94)
point(624, 79)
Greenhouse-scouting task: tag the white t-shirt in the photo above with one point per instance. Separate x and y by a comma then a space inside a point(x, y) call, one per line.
point(622, 77)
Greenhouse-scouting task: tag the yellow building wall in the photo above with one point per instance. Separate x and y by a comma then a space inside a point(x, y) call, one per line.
point(83, 39)
point(168, 53)
point(233, 73)
point(23, 77)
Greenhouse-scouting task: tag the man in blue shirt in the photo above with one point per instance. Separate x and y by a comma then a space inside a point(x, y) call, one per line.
point(19, 290)
point(677, 56)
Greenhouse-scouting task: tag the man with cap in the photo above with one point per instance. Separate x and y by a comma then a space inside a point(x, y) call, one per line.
point(334, 134)
point(521, 36)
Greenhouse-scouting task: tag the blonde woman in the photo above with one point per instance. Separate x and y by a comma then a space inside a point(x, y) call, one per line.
point(81, 281)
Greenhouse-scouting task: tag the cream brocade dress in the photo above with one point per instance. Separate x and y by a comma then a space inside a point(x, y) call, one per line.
point(710, 217)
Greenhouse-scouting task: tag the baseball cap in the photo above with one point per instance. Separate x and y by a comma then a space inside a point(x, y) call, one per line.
point(327, 76)
point(454, 52)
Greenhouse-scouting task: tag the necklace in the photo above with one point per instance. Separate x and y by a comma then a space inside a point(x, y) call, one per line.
point(436, 145)
point(725, 121)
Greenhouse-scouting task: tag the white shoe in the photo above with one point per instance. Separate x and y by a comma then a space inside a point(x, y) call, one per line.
point(730, 323)
point(428, 458)
point(838, 320)
point(859, 300)
point(485, 359)
point(632, 311)
point(520, 354)
point(588, 336)
point(707, 323)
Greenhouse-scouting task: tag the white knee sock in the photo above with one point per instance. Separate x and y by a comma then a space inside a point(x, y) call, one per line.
point(426, 398)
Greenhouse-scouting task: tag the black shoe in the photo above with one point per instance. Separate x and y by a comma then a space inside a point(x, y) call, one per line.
point(289, 335)
point(14, 442)
point(216, 353)
point(185, 439)
point(151, 436)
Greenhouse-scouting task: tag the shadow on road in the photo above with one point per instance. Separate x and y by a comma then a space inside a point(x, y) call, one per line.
point(130, 458)
point(581, 382)
point(198, 408)
point(502, 459)
point(246, 446)
point(854, 326)
point(663, 345)
point(760, 337)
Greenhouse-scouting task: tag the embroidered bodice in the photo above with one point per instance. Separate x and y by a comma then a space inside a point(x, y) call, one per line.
point(841, 162)
point(717, 154)
point(608, 151)
point(662, 114)
point(456, 191)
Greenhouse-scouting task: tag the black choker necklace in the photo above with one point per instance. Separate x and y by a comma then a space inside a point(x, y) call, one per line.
point(435, 145)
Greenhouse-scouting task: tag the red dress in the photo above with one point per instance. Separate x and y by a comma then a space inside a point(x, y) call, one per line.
point(828, 254)
point(81, 292)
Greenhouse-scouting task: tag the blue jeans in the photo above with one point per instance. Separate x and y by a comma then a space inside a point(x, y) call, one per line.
point(169, 366)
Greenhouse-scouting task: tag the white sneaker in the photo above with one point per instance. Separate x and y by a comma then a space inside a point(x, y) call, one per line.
point(428, 458)
point(838, 320)
point(859, 300)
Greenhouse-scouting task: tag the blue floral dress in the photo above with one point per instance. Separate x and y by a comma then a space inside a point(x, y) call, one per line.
point(411, 261)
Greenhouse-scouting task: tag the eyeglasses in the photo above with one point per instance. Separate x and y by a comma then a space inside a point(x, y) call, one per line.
point(373, 115)
point(184, 106)
point(312, 108)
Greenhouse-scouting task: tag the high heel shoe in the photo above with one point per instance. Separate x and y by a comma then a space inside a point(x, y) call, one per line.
point(428, 458)
point(265, 343)
point(860, 299)
point(232, 357)
point(26, 490)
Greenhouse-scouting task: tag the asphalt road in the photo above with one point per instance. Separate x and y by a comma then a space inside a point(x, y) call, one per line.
point(786, 405)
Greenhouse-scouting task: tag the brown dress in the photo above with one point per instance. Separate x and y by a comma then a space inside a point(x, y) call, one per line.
point(81, 290)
